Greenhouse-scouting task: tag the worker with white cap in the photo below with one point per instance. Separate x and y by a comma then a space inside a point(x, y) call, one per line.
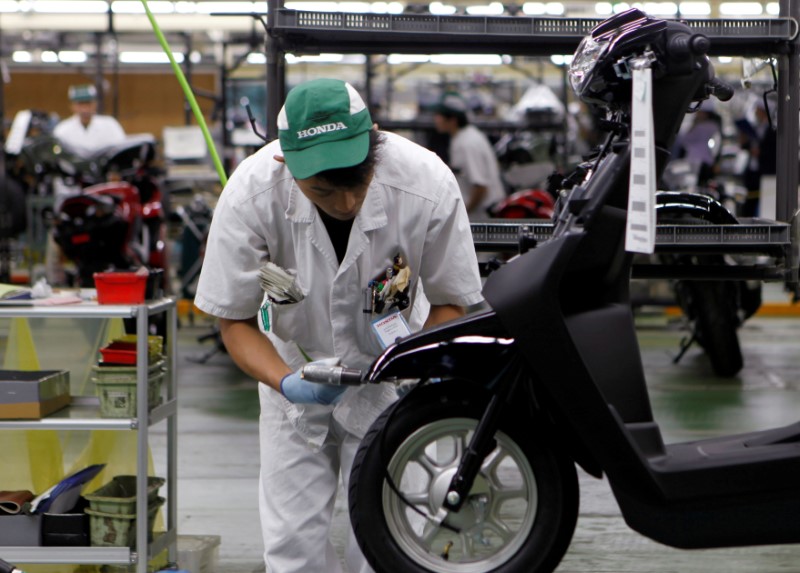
point(86, 132)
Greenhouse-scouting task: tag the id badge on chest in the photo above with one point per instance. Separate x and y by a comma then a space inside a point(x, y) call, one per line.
point(385, 297)
point(389, 328)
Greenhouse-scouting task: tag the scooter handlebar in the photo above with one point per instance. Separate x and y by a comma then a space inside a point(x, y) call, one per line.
point(6, 567)
point(333, 375)
point(723, 91)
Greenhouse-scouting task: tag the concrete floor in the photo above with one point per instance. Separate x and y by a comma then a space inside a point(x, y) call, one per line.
point(219, 451)
point(218, 442)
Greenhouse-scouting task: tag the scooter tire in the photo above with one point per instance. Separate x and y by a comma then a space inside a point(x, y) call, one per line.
point(717, 326)
point(537, 549)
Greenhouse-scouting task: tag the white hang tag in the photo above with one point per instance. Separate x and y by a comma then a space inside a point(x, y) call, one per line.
point(640, 232)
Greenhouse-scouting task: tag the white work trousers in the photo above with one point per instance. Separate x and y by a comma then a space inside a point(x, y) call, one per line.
point(297, 491)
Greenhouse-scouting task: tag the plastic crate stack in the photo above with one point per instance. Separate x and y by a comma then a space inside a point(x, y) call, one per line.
point(115, 376)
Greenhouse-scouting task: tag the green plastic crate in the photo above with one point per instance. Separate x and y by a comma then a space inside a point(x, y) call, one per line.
point(116, 387)
point(119, 530)
point(119, 495)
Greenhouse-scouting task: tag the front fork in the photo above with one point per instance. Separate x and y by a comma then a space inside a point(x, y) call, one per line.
point(482, 442)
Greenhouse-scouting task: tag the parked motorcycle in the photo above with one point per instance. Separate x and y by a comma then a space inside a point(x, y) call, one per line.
point(473, 469)
point(715, 309)
point(119, 223)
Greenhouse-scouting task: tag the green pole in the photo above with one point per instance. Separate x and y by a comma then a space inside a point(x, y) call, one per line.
point(189, 95)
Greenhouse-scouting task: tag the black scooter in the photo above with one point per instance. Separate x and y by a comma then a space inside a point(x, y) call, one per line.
point(473, 470)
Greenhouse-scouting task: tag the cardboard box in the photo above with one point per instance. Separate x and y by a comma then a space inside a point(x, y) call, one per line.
point(20, 530)
point(32, 394)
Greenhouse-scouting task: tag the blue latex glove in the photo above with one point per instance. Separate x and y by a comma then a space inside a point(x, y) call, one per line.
point(301, 391)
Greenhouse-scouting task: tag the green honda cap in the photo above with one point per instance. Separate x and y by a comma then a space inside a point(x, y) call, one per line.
point(82, 93)
point(323, 125)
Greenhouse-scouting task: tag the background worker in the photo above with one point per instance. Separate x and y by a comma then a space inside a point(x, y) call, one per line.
point(86, 132)
point(82, 134)
point(334, 201)
point(472, 157)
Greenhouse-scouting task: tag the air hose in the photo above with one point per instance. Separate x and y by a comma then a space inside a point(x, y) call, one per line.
point(187, 90)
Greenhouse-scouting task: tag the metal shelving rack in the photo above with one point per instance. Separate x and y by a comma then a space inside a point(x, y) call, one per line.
point(315, 32)
point(84, 414)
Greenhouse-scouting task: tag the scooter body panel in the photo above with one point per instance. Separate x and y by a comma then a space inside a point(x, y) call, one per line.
point(469, 348)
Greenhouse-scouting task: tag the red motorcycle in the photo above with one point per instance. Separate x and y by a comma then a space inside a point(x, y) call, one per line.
point(527, 204)
point(118, 224)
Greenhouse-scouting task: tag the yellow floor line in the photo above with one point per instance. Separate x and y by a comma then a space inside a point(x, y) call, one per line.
point(766, 309)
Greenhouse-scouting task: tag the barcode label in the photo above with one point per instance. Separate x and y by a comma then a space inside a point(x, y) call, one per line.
point(640, 234)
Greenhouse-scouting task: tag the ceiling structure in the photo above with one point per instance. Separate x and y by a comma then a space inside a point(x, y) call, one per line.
point(53, 32)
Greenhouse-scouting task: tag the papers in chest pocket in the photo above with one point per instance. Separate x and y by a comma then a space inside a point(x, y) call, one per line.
point(279, 284)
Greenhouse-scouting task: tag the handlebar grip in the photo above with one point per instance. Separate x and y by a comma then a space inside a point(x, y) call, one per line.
point(6, 567)
point(682, 46)
point(333, 375)
point(721, 90)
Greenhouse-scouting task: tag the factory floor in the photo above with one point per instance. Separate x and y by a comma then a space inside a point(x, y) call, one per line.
point(218, 446)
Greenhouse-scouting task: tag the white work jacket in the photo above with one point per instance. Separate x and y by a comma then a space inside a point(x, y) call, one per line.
point(103, 131)
point(413, 207)
point(474, 162)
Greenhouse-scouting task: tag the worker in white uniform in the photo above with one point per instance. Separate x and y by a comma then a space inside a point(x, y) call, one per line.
point(333, 202)
point(472, 157)
point(86, 132)
point(83, 134)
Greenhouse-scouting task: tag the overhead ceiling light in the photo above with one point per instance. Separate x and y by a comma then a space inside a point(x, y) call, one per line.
point(60, 7)
point(439, 9)
point(620, 7)
point(386, 8)
point(148, 57)
point(493, 9)
point(313, 6)
point(541, 8)
point(49, 57)
point(695, 8)
point(229, 7)
point(21, 57)
point(185, 7)
point(661, 8)
point(741, 8)
point(773, 9)
point(467, 59)
point(256, 58)
point(724, 59)
point(354, 7)
point(407, 59)
point(320, 58)
point(603, 8)
point(560, 60)
point(136, 7)
point(72, 56)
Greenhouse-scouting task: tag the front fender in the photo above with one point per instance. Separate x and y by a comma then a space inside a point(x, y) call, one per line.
point(475, 357)
point(697, 205)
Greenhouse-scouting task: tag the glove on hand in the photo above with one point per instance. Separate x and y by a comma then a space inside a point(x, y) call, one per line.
point(299, 391)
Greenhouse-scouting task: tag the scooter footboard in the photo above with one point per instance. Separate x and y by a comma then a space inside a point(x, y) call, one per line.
point(698, 524)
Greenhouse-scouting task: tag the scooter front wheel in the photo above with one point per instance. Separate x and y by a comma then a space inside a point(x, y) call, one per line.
point(521, 511)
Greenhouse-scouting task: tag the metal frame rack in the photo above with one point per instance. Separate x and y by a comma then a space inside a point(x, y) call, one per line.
point(84, 414)
point(316, 32)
